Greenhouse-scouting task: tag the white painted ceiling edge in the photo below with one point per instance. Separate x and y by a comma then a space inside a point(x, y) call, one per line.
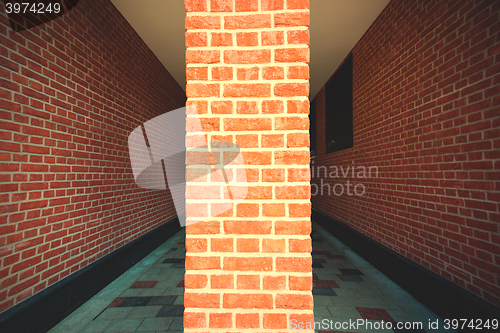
point(336, 26)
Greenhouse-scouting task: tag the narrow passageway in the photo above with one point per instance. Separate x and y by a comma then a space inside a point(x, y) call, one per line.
point(397, 146)
point(347, 291)
point(350, 295)
point(146, 298)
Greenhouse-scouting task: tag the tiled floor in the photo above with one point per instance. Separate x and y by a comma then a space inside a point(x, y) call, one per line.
point(347, 290)
point(147, 298)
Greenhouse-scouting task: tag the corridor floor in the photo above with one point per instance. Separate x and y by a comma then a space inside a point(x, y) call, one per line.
point(347, 290)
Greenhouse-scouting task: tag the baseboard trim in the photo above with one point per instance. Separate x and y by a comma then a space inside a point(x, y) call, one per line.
point(445, 298)
point(38, 314)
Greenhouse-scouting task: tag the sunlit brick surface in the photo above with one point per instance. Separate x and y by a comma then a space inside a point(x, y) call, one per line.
point(250, 268)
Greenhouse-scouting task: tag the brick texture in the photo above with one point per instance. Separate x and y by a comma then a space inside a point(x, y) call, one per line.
point(71, 91)
point(250, 78)
point(426, 113)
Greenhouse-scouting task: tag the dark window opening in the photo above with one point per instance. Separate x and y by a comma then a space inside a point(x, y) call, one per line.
point(338, 109)
point(312, 128)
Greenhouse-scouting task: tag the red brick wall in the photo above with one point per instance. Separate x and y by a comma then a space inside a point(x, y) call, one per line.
point(248, 75)
point(426, 96)
point(71, 91)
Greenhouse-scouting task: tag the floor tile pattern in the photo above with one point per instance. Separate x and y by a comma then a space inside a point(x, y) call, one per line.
point(152, 303)
point(374, 313)
point(144, 284)
point(347, 289)
point(149, 297)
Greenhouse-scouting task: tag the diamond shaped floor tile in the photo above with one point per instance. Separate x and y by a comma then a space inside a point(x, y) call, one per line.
point(162, 300)
point(374, 313)
point(350, 271)
point(135, 301)
point(171, 311)
point(144, 284)
point(326, 284)
point(173, 260)
point(323, 291)
point(344, 277)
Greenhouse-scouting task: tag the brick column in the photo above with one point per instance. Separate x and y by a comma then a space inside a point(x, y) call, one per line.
point(250, 268)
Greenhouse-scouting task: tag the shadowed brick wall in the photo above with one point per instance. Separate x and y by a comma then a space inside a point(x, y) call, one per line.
point(71, 91)
point(250, 268)
point(426, 113)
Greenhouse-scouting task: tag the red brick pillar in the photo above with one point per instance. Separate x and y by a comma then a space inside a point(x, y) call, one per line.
point(250, 268)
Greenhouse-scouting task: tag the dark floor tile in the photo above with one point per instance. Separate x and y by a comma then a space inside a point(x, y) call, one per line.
point(180, 284)
point(321, 261)
point(317, 265)
point(323, 291)
point(173, 249)
point(374, 313)
point(171, 311)
point(180, 243)
point(338, 256)
point(344, 277)
point(144, 284)
point(177, 265)
point(162, 300)
point(315, 278)
point(317, 239)
point(350, 271)
point(326, 284)
point(135, 301)
point(116, 302)
point(173, 260)
point(328, 254)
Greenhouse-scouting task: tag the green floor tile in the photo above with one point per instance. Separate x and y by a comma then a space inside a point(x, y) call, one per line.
point(322, 311)
point(131, 292)
point(144, 311)
point(114, 313)
point(347, 312)
point(176, 324)
point(321, 300)
point(155, 324)
point(97, 326)
point(123, 325)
